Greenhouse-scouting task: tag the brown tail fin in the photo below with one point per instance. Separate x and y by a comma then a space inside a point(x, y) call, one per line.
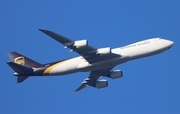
point(22, 60)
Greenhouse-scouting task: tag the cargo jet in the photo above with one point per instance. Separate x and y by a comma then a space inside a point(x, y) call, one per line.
point(98, 61)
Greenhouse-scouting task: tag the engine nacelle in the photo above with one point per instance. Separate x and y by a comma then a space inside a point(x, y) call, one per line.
point(101, 84)
point(104, 51)
point(115, 74)
point(80, 43)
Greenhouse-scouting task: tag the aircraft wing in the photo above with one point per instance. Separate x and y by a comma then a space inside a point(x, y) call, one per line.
point(93, 77)
point(69, 43)
point(79, 46)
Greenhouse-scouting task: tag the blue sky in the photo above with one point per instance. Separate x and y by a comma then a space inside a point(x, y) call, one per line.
point(149, 85)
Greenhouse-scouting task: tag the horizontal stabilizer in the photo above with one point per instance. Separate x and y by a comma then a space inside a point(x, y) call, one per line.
point(19, 68)
point(22, 78)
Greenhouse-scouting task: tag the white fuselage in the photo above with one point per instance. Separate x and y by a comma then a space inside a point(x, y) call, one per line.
point(126, 53)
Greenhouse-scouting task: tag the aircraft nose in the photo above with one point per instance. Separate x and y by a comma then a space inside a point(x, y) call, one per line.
point(169, 43)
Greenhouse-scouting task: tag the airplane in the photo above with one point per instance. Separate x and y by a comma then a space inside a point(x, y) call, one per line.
point(98, 61)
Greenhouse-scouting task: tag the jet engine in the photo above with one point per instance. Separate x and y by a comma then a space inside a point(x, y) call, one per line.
point(101, 84)
point(104, 51)
point(80, 43)
point(115, 74)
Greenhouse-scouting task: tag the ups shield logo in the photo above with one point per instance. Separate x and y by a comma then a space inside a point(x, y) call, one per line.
point(19, 60)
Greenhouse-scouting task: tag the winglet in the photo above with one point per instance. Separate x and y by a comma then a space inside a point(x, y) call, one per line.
point(81, 87)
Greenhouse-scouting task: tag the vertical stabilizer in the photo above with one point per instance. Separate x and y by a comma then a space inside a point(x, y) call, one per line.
point(22, 60)
point(22, 65)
